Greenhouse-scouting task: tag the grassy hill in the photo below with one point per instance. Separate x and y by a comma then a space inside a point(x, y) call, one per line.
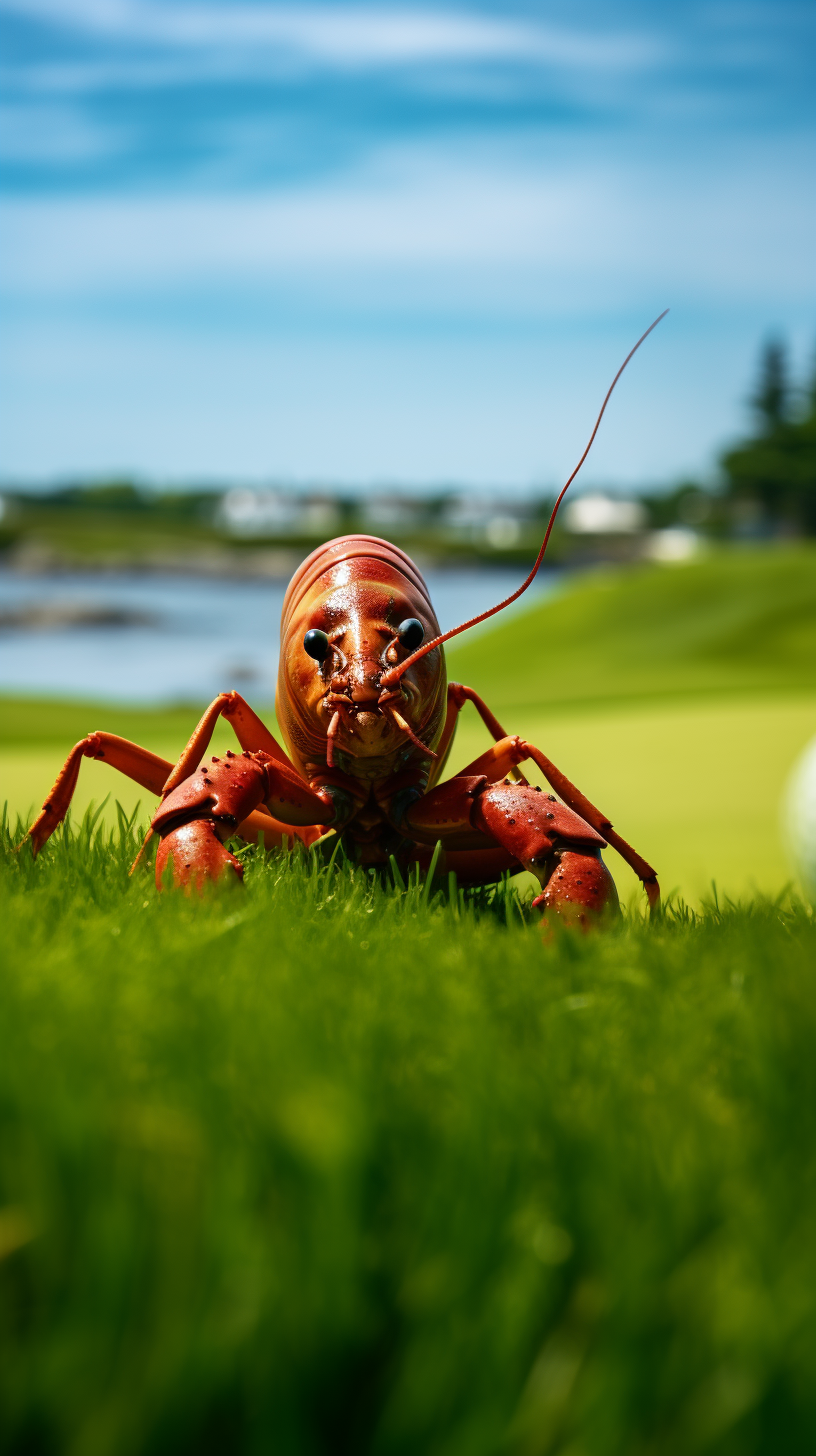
point(739, 621)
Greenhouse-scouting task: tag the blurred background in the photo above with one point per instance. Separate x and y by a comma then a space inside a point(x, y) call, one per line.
point(271, 273)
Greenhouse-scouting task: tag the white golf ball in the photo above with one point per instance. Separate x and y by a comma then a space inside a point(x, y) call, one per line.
point(799, 819)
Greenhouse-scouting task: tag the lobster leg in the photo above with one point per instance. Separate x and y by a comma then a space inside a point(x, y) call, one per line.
point(458, 695)
point(251, 732)
point(515, 750)
point(192, 839)
point(159, 776)
point(253, 735)
point(138, 764)
point(578, 801)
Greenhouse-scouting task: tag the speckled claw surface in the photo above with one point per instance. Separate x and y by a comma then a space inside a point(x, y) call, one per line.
point(196, 857)
point(580, 891)
point(225, 787)
point(530, 823)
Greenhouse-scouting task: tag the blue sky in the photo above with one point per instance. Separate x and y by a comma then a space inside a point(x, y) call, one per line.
point(364, 243)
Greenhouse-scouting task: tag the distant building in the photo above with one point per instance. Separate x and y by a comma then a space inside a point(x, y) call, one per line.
point(277, 512)
point(674, 543)
point(490, 517)
point(320, 514)
point(604, 515)
point(389, 510)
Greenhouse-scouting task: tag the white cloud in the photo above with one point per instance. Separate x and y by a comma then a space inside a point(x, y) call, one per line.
point(415, 214)
point(346, 35)
point(450, 309)
point(724, 228)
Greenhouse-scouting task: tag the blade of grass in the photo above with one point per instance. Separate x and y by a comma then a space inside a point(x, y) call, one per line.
point(426, 889)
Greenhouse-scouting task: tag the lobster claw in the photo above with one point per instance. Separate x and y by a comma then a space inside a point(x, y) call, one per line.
point(195, 855)
point(579, 892)
point(227, 789)
point(531, 824)
point(203, 808)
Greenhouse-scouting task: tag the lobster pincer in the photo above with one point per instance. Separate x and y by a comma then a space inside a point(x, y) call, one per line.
point(536, 831)
point(203, 810)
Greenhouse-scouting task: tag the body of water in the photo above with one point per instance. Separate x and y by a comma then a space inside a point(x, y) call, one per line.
point(154, 639)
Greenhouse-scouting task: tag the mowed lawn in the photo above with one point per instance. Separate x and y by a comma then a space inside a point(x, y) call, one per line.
point(331, 1165)
point(677, 698)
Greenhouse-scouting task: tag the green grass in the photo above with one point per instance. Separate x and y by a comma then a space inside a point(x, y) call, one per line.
point(32, 723)
point(331, 1167)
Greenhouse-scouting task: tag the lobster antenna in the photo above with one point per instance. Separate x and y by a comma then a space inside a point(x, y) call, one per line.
point(391, 678)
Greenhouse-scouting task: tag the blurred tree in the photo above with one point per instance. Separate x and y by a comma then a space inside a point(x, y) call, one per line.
point(773, 473)
point(772, 398)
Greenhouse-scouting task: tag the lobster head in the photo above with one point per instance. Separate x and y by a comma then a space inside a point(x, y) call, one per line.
point(357, 608)
point(361, 651)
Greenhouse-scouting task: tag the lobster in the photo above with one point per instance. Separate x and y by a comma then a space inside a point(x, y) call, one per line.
point(368, 718)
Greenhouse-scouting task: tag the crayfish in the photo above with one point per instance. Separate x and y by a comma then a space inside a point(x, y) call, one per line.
point(368, 718)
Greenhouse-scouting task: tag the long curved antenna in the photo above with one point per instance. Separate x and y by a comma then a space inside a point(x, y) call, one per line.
point(391, 678)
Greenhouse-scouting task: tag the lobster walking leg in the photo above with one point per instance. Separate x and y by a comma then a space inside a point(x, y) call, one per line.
point(252, 734)
point(578, 801)
point(159, 776)
point(249, 729)
point(458, 695)
point(138, 764)
point(516, 750)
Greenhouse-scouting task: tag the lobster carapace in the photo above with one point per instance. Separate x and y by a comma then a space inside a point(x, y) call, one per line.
point(368, 718)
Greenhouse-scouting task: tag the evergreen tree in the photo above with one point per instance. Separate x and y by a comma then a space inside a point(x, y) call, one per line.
point(772, 398)
point(775, 469)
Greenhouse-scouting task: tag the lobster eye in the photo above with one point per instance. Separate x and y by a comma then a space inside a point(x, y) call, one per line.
point(410, 633)
point(316, 643)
